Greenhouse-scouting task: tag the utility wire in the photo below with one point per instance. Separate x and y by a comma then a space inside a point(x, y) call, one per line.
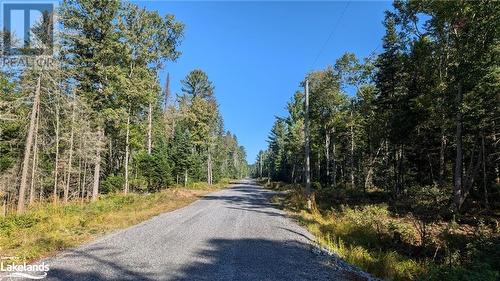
point(331, 34)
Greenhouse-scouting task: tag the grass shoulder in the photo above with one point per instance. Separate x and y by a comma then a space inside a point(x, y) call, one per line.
point(45, 229)
point(389, 243)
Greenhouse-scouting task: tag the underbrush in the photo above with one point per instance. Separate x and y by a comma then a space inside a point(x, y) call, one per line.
point(394, 245)
point(45, 228)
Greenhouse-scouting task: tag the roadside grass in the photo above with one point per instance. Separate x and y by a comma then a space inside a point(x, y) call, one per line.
point(45, 229)
point(389, 246)
point(357, 244)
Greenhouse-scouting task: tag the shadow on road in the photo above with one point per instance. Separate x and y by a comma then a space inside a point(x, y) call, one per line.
point(102, 267)
point(222, 259)
point(248, 196)
point(256, 259)
point(235, 259)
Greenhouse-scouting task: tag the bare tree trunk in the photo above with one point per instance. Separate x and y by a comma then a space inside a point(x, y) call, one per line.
point(209, 168)
point(485, 187)
point(268, 175)
point(351, 160)
point(341, 177)
point(430, 166)
point(70, 158)
point(35, 159)
point(401, 167)
point(150, 125)
point(307, 169)
point(368, 179)
point(79, 182)
point(334, 161)
point(56, 165)
point(260, 167)
point(457, 184)
point(471, 174)
point(27, 149)
point(127, 151)
point(185, 177)
point(318, 154)
point(84, 180)
point(495, 144)
point(97, 167)
point(4, 205)
point(110, 154)
point(327, 156)
point(41, 191)
point(165, 103)
point(442, 160)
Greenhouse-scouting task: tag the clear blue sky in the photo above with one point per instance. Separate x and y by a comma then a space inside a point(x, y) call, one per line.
point(256, 53)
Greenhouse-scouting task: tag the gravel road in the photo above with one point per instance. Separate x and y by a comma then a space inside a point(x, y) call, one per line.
point(233, 234)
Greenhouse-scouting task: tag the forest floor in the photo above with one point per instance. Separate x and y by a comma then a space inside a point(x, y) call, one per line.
point(46, 229)
point(391, 244)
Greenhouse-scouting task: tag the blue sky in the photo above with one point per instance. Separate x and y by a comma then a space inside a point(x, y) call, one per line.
point(256, 53)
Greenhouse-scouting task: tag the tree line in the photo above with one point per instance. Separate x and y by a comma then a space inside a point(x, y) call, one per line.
point(100, 121)
point(420, 116)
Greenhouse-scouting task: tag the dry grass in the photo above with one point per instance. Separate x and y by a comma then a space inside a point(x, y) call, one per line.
point(392, 245)
point(356, 236)
point(45, 229)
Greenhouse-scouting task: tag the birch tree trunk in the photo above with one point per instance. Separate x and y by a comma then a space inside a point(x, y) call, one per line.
point(327, 156)
point(27, 149)
point(70, 158)
point(209, 168)
point(150, 126)
point(127, 152)
point(97, 167)
point(35, 158)
point(84, 180)
point(334, 161)
point(260, 167)
point(56, 164)
point(351, 160)
point(79, 181)
point(368, 179)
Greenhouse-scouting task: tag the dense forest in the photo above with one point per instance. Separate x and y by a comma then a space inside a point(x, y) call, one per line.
point(415, 126)
point(101, 121)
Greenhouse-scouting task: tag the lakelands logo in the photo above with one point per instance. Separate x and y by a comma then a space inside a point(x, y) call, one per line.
point(12, 269)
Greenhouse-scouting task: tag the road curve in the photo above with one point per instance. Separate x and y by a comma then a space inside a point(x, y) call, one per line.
point(233, 234)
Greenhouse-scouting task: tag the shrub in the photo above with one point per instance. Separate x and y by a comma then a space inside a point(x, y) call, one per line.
point(112, 184)
point(139, 184)
point(14, 222)
point(477, 272)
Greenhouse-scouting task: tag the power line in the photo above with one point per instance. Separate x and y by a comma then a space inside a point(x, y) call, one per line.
point(331, 34)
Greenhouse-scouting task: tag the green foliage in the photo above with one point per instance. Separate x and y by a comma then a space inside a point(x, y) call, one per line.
point(139, 184)
point(9, 223)
point(112, 184)
point(103, 114)
point(477, 272)
point(404, 145)
point(154, 168)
